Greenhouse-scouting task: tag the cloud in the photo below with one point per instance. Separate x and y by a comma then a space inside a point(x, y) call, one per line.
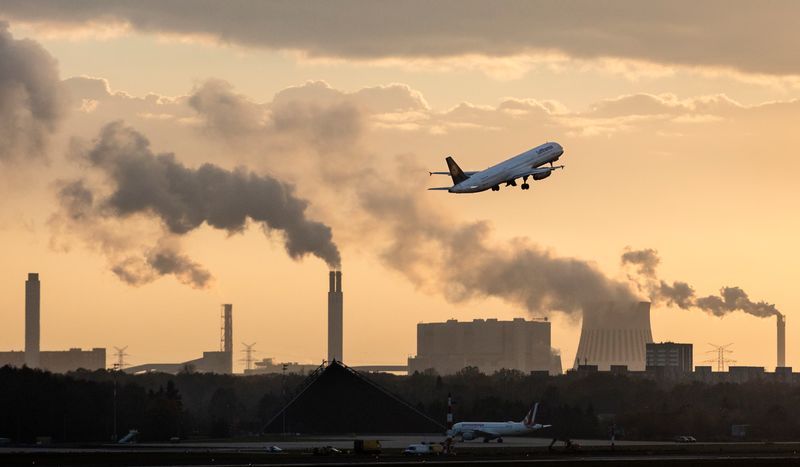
point(32, 101)
point(716, 33)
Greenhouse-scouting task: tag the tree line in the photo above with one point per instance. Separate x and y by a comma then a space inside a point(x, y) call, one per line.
point(81, 406)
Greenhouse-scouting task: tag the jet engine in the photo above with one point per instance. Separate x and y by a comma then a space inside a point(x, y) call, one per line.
point(468, 436)
point(542, 176)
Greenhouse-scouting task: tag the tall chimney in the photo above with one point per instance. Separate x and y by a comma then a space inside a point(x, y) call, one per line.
point(32, 291)
point(226, 337)
point(781, 340)
point(335, 305)
point(227, 328)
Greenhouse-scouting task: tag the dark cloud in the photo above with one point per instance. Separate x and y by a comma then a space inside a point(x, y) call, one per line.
point(726, 33)
point(82, 216)
point(32, 100)
point(184, 198)
point(143, 183)
point(682, 295)
point(162, 261)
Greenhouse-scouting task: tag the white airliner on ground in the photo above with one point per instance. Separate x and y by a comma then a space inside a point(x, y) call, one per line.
point(527, 164)
point(496, 430)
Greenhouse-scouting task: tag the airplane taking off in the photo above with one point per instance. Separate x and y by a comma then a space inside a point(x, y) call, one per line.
point(527, 164)
point(496, 430)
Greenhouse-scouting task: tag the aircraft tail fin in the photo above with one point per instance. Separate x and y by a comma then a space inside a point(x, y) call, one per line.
point(455, 171)
point(530, 419)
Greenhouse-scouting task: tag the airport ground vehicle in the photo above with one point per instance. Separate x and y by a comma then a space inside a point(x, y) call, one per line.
point(423, 449)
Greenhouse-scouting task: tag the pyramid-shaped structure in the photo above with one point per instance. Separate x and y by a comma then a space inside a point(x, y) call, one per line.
point(338, 400)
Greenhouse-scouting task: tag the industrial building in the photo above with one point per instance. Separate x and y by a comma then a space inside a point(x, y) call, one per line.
point(490, 345)
point(269, 366)
point(60, 361)
point(335, 317)
point(614, 334)
point(56, 361)
point(211, 362)
point(669, 355)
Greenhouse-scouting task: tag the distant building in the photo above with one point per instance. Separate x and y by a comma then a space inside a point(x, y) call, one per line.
point(269, 366)
point(210, 362)
point(60, 361)
point(489, 345)
point(670, 355)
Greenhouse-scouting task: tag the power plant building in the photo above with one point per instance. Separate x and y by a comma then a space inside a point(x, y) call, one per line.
point(56, 361)
point(211, 362)
point(59, 361)
point(670, 355)
point(614, 334)
point(490, 345)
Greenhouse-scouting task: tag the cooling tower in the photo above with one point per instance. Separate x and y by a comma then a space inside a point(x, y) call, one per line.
point(615, 334)
point(781, 340)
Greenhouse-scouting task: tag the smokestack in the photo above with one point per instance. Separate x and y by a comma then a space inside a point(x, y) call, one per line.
point(32, 297)
point(335, 305)
point(227, 328)
point(226, 336)
point(781, 340)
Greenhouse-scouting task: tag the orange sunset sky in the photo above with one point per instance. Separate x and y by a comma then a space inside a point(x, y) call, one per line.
point(680, 123)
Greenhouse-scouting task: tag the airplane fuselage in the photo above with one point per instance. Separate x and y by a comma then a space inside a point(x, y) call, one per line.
point(492, 430)
point(506, 170)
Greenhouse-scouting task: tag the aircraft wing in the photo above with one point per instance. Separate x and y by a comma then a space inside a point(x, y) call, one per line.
point(468, 174)
point(537, 170)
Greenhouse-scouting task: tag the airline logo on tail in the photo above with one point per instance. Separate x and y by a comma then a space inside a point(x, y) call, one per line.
point(529, 419)
point(455, 171)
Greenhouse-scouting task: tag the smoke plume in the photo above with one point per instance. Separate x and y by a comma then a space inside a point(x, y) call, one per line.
point(32, 100)
point(461, 261)
point(412, 235)
point(681, 294)
point(145, 184)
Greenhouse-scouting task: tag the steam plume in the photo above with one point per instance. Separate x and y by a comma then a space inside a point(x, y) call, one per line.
point(436, 252)
point(682, 295)
point(32, 101)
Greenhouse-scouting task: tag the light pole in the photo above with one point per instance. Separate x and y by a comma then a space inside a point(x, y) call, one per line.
point(114, 436)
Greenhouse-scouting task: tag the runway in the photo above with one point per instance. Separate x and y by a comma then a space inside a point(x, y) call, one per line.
point(298, 452)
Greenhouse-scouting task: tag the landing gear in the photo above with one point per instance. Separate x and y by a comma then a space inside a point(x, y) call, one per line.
point(496, 188)
point(525, 186)
point(499, 440)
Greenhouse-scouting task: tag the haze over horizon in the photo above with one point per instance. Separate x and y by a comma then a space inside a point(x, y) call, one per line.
point(159, 159)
